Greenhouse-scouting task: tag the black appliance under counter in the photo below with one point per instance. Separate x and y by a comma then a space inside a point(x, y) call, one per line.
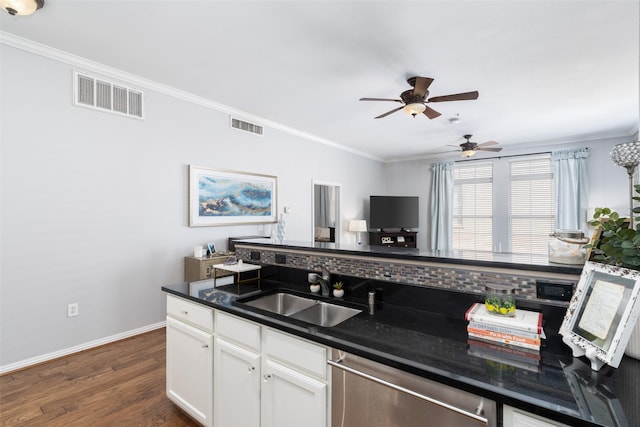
point(435, 345)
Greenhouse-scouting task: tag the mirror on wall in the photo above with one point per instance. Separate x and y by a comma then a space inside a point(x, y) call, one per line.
point(325, 207)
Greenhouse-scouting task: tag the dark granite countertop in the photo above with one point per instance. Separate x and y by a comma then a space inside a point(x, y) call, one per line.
point(471, 258)
point(435, 345)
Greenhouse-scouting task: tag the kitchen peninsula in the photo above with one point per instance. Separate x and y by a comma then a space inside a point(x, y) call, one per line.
point(465, 271)
point(418, 326)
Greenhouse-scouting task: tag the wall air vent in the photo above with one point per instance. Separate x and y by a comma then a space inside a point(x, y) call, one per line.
point(246, 126)
point(101, 95)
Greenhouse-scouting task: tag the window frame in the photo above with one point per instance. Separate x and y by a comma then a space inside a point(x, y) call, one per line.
point(501, 205)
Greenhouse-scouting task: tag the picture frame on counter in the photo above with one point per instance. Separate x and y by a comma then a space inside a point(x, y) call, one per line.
point(225, 197)
point(602, 314)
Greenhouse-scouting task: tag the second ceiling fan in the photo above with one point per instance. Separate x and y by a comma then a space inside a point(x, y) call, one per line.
point(415, 100)
point(469, 148)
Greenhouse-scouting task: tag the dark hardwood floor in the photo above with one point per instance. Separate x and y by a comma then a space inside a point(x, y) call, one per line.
point(118, 384)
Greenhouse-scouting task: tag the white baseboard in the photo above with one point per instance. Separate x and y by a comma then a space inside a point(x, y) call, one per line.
point(67, 351)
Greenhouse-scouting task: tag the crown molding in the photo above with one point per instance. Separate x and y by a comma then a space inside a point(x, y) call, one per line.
point(141, 82)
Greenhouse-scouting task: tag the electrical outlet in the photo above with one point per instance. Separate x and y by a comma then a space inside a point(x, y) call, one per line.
point(558, 290)
point(72, 309)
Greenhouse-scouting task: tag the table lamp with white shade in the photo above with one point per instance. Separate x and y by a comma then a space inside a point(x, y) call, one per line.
point(358, 226)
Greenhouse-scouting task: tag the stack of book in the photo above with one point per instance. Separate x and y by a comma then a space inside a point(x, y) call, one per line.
point(522, 330)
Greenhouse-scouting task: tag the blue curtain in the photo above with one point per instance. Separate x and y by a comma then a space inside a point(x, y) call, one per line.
point(441, 208)
point(571, 181)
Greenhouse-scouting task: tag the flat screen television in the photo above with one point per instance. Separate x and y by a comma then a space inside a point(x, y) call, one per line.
point(393, 212)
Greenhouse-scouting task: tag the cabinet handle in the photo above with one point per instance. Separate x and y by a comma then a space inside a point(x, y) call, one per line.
point(267, 377)
point(251, 369)
point(205, 345)
point(184, 312)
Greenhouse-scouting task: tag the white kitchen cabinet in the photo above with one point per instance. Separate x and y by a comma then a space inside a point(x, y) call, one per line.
point(189, 369)
point(267, 378)
point(295, 390)
point(237, 385)
point(513, 417)
point(190, 358)
point(292, 399)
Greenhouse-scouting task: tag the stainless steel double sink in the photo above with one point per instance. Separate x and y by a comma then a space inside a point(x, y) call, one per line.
point(297, 307)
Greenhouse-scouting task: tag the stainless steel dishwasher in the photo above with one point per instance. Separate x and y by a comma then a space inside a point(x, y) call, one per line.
point(369, 394)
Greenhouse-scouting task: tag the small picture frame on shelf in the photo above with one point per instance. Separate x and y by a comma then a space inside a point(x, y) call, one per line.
point(602, 314)
point(211, 248)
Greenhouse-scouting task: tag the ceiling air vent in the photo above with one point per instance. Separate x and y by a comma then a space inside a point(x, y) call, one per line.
point(246, 126)
point(106, 96)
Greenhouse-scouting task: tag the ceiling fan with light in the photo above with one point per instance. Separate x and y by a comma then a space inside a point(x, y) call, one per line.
point(415, 100)
point(21, 7)
point(469, 148)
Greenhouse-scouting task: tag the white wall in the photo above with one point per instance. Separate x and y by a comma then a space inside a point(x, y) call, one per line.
point(608, 183)
point(94, 205)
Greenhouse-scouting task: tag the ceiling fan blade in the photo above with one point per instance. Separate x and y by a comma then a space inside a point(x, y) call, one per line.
point(389, 112)
point(495, 149)
point(485, 144)
point(445, 152)
point(455, 97)
point(430, 112)
point(422, 84)
point(381, 99)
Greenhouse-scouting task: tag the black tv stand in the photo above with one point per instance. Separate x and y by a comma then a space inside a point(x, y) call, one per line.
point(397, 239)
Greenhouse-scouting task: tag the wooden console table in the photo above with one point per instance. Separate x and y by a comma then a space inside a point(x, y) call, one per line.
point(202, 268)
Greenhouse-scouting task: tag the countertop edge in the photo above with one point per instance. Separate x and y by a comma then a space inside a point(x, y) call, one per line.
point(472, 386)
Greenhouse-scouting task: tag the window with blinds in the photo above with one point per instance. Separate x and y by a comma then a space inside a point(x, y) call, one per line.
point(472, 206)
point(531, 205)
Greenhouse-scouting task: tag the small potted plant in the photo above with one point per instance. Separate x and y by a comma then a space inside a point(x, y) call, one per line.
point(616, 242)
point(338, 292)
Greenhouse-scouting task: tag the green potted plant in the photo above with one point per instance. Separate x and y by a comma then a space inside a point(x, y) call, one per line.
point(338, 290)
point(616, 243)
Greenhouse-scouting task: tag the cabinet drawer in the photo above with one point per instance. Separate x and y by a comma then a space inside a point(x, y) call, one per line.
point(195, 314)
point(242, 332)
point(295, 352)
point(514, 417)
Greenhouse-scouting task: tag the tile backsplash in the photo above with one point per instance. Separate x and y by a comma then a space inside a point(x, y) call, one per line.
point(460, 278)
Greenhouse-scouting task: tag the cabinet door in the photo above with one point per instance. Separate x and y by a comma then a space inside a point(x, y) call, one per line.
point(291, 399)
point(514, 417)
point(237, 386)
point(190, 370)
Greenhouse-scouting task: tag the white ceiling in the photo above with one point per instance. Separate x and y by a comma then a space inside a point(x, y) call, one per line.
point(547, 71)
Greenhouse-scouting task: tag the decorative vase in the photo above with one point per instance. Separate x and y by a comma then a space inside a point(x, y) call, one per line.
point(281, 229)
point(314, 288)
point(338, 293)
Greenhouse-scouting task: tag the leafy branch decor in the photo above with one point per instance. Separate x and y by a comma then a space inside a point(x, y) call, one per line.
point(617, 241)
